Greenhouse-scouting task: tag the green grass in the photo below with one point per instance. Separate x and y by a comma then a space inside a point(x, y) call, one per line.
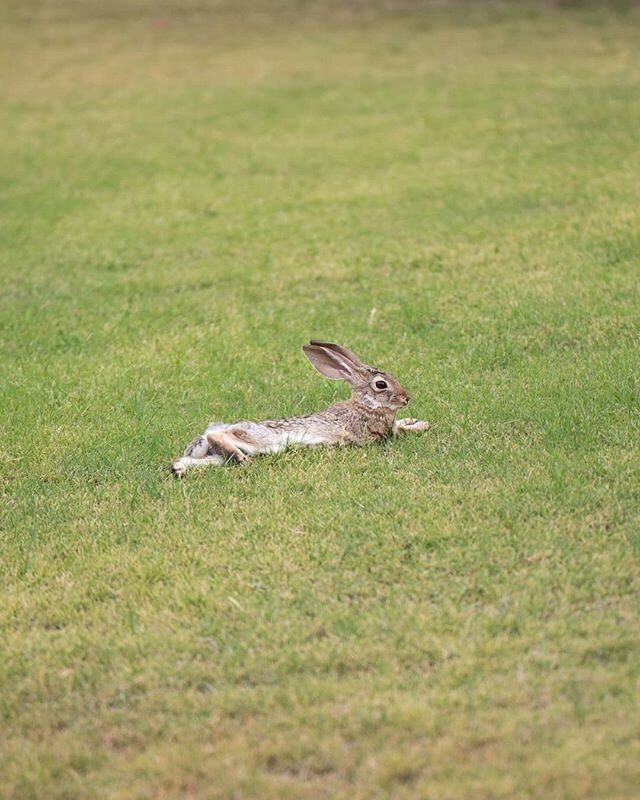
point(188, 194)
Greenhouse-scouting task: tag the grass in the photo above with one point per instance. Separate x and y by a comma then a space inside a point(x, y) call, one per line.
point(189, 192)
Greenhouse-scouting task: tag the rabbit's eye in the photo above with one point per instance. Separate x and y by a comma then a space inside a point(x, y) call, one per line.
point(381, 384)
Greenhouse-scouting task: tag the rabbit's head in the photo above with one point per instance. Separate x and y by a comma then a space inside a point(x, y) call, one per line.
point(369, 386)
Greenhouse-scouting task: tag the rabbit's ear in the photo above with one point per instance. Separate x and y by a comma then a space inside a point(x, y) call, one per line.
point(337, 348)
point(330, 363)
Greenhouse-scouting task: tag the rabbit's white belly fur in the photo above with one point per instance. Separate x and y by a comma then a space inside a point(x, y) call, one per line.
point(266, 439)
point(282, 439)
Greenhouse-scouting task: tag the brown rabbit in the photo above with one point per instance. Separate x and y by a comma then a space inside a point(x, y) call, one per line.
point(367, 416)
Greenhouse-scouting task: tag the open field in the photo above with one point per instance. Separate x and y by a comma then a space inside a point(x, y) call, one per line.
point(189, 192)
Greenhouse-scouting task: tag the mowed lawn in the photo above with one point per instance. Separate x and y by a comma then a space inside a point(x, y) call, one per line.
point(189, 192)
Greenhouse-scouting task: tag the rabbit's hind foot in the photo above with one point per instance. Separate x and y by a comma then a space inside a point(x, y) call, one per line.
point(184, 463)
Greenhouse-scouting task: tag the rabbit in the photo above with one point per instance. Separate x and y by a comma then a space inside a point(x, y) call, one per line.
point(369, 415)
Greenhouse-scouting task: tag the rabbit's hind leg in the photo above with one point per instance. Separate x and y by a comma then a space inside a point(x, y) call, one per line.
point(196, 454)
point(232, 442)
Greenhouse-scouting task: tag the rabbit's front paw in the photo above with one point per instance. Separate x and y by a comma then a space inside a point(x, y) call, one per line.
point(410, 425)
